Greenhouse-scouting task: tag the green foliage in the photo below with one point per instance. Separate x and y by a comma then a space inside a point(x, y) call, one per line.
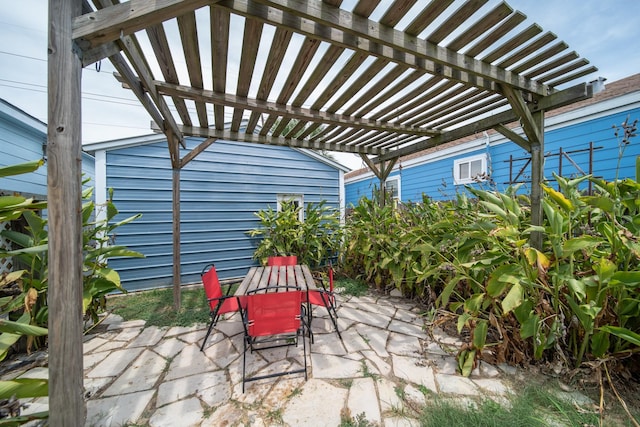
point(313, 240)
point(576, 299)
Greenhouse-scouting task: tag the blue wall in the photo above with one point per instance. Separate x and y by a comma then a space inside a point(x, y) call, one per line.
point(435, 178)
point(221, 189)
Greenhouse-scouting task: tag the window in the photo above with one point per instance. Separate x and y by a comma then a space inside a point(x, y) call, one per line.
point(392, 188)
point(470, 169)
point(296, 199)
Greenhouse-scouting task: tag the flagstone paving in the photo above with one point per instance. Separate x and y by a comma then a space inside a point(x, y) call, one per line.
point(385, 368)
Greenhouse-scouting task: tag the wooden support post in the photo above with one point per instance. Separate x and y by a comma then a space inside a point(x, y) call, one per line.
point(176, 238)
point(64, 181)
point(537, 177)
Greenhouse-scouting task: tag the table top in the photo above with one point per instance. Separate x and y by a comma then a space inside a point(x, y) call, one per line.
point(264, 277)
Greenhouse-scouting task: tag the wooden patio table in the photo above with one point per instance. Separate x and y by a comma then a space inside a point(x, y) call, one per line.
point(292, 276)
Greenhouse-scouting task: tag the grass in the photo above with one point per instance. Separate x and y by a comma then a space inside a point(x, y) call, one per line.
point(156, 307)
point(352, 287)
point(535, 405)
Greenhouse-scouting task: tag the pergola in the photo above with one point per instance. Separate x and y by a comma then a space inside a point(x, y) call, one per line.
point(314, 74)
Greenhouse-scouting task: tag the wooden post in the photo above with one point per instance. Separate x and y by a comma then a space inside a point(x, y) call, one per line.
point(537, 177)
point(176, 238)
point(64, 173)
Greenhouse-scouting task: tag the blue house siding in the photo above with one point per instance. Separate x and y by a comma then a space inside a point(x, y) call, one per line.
point(433, 174)
point(221, 190)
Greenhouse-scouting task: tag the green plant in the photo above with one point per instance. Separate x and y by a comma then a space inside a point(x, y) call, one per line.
point(313, 240)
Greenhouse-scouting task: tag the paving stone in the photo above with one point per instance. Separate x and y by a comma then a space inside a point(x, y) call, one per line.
point(117, 410)
point(444, 364)
point(485, 370)
point(176, 331)
point(39, 372)
point(226, 415)
point(435, 348)
point(148, 337)
point(395, 292)
point(383, 367)
point(127, 334)
point(222, 352)
point(194, 337)
point(329, 366)
point(114, 363)
point(214, 337)
point(282, 390)
point(92, 344)
point(331, 344)
point(388, 395)
point(229, 327)
point(412, 329)
point(414, 396)
point(376, 308)
point(508, 369)
point(185, 413)
point(138, 324)
point(112, 318)
point(213, 388)
point(404, 345)
point(319, 404)
point(34, 406)
point(376, 338)
point(344, 323)
point(168, 348)
point(373, 319)
point(455, 384)
point(93, 385)
point(141, 375)
point(353, 341)
point(363, 400)
point(413, 369)
point(492, 385)
point(190, 361)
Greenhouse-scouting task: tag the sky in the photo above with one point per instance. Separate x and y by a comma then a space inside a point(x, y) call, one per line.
point(606, 32)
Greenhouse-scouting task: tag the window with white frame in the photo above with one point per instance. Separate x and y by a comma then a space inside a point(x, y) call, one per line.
point(392, 188)
point(470, 169)
point(296, 199)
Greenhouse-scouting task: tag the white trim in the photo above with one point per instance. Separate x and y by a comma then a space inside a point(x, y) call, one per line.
point(124, 143)
point(322, 159)
point(342, 196)
point(100, 179)
point(469, 159)
point(19, 115)
point(398, 185)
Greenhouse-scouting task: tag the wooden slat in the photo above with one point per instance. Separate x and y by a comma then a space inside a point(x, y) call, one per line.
point(363, 78)
point(390, 91)
point(428, 85)
point(113, 22)
point(564, 70)
point(160, 46)
point(279, 44)
point(531, 48)
point(496, 34)
point(548, 66)
point(427, 16)
point(220, 21)
point(473, 97)
point(428, 105)
point(365, 7)
point(376, 89)
point(396, 12)
point(482, 25)
point(511, 44)
point(250, 44)
point(328, 59)
point(469, 113)
point(368, 36)
point(573, 76)
point(190, 46)
point(458, 17)
point(428, 97)
point(340, 79)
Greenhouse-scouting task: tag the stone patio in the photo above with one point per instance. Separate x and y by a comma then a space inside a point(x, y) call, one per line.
point(386, 367)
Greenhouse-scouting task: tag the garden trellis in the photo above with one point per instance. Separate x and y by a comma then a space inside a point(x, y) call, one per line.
point(420, 75)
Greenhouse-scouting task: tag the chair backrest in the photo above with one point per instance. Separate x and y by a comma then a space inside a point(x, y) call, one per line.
point(278, 261)
point(330, 277)
point(273, 313)
point(211, 284)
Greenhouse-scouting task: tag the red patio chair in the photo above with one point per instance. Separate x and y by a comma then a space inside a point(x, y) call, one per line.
point(218, 303)
point(278, 261)
point(325, 298)
point(272, 319)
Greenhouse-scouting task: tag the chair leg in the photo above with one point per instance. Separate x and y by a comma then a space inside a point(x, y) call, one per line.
point(328, 302)
point(244, 362)
point(214, 320)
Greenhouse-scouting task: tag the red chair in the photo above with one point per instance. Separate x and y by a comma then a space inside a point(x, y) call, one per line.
point(278, 261)
point(218, 303)
point(325, 298)
point(273, 319)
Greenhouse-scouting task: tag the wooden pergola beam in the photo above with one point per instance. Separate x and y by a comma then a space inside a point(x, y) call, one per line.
point(286, 111)
point(514, 137)
point(229, 135)
point(342, 28)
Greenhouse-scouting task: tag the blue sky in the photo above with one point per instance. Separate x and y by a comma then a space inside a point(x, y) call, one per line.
point(604, 31)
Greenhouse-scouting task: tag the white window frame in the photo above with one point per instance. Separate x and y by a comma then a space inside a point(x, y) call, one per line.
point(468, 160)
point(397, 198)
point(299, 198)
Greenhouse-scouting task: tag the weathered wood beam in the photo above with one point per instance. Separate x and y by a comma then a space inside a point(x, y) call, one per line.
point(559, 99)
point(537, 178)
point(190, 47)
point(64, 186)
point(514, 137)
point(194, 153)
point(371, 165)
point(175, 191)
point(343, 28)
point(228, 135)
point(220, 22)
point(524, 114)
point(111, 23)
point(286, 111)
